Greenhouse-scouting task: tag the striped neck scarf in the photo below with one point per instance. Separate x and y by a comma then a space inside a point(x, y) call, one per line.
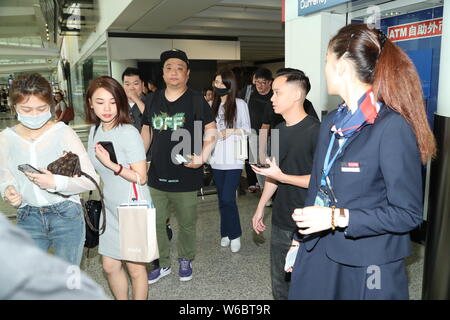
point(346, 122)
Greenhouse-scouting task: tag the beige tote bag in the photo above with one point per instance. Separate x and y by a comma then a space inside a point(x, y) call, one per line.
point(137, 228)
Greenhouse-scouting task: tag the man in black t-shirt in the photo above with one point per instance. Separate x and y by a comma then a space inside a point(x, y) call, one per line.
point(272, 119)
point(297, 141)
point(173, 124)
point(133, 85)
point(256, 107)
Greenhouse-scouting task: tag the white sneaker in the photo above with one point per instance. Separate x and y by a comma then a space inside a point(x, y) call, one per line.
point(225, 242)
point(235, 244)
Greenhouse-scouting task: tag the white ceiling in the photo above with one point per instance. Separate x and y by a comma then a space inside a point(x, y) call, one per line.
point(257, 23)
point(23, 44)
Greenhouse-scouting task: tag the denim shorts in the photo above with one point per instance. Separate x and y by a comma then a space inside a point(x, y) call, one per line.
point(60, 226)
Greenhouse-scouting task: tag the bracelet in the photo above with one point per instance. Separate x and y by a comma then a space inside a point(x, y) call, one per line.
point(333, 226)
point(119, 171)
point(295, 245)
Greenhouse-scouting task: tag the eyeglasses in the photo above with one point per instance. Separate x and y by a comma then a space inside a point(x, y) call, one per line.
point(262, 83)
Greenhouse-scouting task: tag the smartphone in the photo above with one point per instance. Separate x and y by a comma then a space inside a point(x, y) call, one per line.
point(108, 145)
point(28, 168)
point(260, 165)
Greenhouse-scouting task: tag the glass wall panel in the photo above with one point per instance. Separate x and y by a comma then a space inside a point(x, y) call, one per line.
point(82, 73)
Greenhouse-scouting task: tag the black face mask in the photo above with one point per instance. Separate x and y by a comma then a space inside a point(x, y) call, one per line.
point(221, 91)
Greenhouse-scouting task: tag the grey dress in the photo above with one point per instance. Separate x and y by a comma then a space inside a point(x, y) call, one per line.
point(129, 149)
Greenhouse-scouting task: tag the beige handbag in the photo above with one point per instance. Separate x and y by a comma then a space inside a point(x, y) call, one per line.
point(242, 147)
point(137, 228)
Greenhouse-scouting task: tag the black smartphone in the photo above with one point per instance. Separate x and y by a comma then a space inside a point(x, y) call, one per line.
point(108, 145)
point(260, 165)
point(28, 168)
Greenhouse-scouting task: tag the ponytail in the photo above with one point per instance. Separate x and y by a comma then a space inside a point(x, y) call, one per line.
point(397, 84)
point(394, 79)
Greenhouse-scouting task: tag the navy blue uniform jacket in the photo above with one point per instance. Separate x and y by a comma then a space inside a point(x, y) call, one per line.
point(384, 198)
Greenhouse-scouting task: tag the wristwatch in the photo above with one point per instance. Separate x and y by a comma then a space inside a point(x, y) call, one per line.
point(341, 220)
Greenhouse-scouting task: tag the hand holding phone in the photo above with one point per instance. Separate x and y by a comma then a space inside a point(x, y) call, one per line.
point(108, 146)
point(261, 165)
point(43, 179)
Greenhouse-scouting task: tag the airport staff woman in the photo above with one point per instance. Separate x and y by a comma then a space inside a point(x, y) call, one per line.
point(365, 193)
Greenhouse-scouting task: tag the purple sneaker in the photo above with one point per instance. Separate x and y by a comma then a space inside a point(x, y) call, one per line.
point(158, 273)
point(185, 269)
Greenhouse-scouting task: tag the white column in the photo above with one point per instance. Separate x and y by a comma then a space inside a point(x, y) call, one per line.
point(306, 43)
point(119, 66)
point(443, 102)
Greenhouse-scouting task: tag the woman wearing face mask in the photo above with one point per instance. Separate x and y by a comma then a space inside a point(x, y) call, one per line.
point(106, 108)
point(233, 122)
point(51, 219)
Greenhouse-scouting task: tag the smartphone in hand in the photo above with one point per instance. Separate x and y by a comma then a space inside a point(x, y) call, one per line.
point(28, 168)
point(108, 145)
point(260, 165)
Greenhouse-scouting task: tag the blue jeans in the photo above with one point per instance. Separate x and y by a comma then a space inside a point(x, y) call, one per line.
point(227, 182)
point(60, 225)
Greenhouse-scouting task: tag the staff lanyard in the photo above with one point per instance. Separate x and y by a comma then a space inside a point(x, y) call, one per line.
point(327, 163)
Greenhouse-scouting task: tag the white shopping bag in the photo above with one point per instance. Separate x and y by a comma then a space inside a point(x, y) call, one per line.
point(137, 229)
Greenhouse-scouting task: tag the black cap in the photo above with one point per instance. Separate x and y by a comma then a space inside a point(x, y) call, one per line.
point(174, 53)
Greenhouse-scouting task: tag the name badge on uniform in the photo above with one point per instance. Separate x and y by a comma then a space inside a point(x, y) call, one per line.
point(350, 167)
point(322, 198)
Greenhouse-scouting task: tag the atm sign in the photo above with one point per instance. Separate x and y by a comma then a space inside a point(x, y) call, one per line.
point(423, 29)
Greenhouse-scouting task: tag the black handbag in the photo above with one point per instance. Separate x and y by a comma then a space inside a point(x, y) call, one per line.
point(93, 209)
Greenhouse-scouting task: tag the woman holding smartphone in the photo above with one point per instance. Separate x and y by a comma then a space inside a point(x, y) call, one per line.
point(48, 205)
point(106, 108)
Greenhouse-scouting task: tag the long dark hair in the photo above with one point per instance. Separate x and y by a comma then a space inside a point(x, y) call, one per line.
point(117, 91)
point(229, 80)
point(393, 77)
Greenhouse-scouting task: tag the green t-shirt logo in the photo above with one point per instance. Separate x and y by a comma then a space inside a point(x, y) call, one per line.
point(164, 121)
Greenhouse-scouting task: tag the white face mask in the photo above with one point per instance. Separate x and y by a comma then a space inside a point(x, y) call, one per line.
point(34, 122)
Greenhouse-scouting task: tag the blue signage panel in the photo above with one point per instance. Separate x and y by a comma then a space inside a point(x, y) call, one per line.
point(309, 6)
point(423, 60)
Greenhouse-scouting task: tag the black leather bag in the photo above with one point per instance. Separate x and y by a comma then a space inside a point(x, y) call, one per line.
point(93, 210)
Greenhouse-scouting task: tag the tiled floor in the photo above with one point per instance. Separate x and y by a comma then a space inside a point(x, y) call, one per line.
point(220, 274)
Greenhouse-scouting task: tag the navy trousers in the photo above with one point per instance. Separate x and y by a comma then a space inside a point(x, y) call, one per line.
point(227, 182)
